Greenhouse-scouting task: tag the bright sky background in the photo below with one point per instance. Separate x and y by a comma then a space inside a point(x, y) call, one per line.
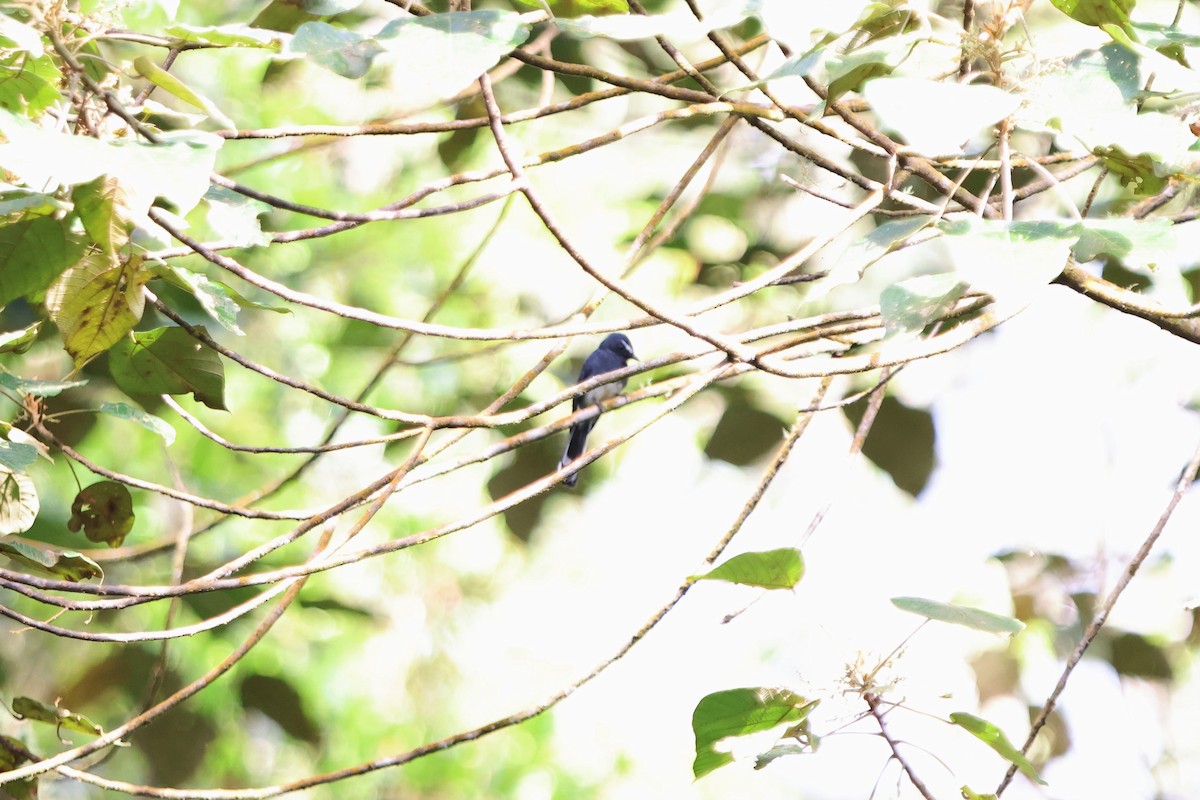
point(1062, 432)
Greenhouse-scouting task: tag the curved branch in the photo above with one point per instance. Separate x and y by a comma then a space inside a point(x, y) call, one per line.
point(115, 735)
point(509, 721)
point(1182, 324)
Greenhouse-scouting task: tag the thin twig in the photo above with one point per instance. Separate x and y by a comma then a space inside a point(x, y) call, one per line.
point(519, 717)
point(877, 394)
point(111, 737)
point(732, 348)
point(1006, 185)
point(1186, 478)
point(872, 701)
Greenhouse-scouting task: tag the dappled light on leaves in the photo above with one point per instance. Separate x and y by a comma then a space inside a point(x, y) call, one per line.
point(168, 361)
point(738, 712)
point(308, 285)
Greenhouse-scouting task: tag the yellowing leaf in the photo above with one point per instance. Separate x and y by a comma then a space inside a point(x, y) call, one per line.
point(104, 211)
point(96, 302)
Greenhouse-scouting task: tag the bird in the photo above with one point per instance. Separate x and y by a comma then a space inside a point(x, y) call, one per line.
point(613, 353)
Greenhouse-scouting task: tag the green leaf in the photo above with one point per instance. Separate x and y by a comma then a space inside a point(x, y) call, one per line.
point(1136, 170)
point(221, 301)
point(1096, 12)
point(215, 297)
point(173, 85)
point(738, 712)
point(287, 15)
point(233, 35)
point(438, 55)
point(148, 421)
point(35, 204)
point(1083, 95)
point(1139, 244)
point(881, 19)
point(165, 116)
point(994, 738)
point(19, 341)
point(1169, 74)
point(865, 251)
point(773, 569)
point(885, 238)
point(176, 168)
point(37, 388)
point(1095, 101)
point(104, 211)
point(37, 251)
point(677, 25)
point(65, 564)
point(915, 108)
point(347, 53)
point(848, 71)
point(168, 361)
point(970, 795)
point(567, 8)
point(967, 616)
point(234, 217)
point(1156, 35)
point(15, 456)
point(18, 436)
point(779, 751)
point(28, 708)
point(12, 754)
point(1008, 260)
point(97, 302)
point(104, 511)
point(795, 67)
point(28, 84)
point(140, 16)
point(18, 502)
point(913, 304)
point(990, 246)
point(802, 740)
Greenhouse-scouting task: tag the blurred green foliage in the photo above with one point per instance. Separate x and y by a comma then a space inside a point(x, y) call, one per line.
point(378, 656)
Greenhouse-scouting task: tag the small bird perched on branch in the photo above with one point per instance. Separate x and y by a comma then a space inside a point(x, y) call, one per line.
point(613, 353)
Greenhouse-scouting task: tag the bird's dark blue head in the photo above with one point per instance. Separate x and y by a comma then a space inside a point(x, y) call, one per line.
point(619, 344)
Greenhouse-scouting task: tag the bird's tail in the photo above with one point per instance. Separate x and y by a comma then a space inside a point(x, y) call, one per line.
point(575, 447)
